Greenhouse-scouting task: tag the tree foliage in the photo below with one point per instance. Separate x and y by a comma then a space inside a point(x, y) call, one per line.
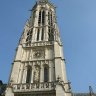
point(2, 87)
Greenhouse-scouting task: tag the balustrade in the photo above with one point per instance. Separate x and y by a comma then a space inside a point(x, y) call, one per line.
point(46, 86)
point(38, 44)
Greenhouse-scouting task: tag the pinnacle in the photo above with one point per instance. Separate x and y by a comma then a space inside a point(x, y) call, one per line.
point(42, 0)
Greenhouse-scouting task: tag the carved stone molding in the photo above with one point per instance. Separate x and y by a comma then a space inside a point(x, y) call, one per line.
point(36, 74)
point(38, 54)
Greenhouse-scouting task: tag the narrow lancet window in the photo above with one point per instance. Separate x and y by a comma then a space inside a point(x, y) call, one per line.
point(46, 74)
point(29, 73)
point(43, 17)
point(39, 19)
point(48, 18)
point(51, 34)
point(51, 20)
point(42, 36)
point(38, 32)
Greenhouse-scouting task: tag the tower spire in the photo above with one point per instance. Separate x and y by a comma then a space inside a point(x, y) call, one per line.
point(42, 0)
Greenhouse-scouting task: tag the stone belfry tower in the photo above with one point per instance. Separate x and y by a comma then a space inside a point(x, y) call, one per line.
point(39, 68)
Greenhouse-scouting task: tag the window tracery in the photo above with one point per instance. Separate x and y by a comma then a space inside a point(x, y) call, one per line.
point(29, 37)
point(41, 18)
point(50, 18)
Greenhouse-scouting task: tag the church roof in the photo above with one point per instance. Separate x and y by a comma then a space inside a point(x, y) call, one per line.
point(83, 94)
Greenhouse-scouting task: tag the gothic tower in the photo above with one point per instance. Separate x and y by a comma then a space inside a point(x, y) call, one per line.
point(39, 67)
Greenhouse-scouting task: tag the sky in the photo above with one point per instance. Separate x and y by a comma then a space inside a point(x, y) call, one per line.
point(77, 25)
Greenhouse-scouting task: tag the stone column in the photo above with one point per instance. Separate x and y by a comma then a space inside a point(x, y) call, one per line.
point(22, 72)
point(46, 28)
point(40, 34)
point(19, 73)
point(9, 92)
point(35, 25)
point(50, 78)
point(24, 75)
point(52, 72)
point(42, 73)
point(33, 36)
point(32, 75)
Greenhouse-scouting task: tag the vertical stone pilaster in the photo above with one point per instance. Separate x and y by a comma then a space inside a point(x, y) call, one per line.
point(36, 17)
point(22, 71)
point(50, 72)
point(42, 73)
point(60, 91)
point(40, 34)
point(24, 74)
point(32, 75)
point(35, 26)
point(19, 73)
point(46, 28)
point(23, 79)
point(34, 34)
point(9, 92)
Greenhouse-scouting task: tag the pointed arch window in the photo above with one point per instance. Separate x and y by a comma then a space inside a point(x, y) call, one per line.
point(42, 36)
point(38, 32)
point(43, 17)
point(29, 74)
point(49, 18)
point(39, 19)
point(51, 34)
point(46, 74)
